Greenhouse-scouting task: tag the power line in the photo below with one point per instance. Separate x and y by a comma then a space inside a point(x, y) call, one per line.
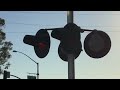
point(35, 32)
point(56, 25)
point(62, 26)
point(48, 12)
point(29, 24)
point(98, 26)
point(98, 14)
point(19, 32)
point(34, 12)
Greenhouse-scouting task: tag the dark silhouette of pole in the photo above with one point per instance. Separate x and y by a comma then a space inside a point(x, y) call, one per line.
point(32, 60)
point(71, 67)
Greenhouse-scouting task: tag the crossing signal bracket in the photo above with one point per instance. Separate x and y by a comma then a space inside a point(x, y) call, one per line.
point(96, 44)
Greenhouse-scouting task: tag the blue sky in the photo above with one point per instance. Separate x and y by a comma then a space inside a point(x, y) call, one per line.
point(21, 23)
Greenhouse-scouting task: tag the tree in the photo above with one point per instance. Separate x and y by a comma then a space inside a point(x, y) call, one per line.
point(5, 47)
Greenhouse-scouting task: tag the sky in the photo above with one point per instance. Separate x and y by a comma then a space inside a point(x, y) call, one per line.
point(21, 23)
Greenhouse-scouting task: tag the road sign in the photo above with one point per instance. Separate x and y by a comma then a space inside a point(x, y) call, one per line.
point(31, 77)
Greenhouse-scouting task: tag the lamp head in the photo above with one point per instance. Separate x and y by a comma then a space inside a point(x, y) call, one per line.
point(14, 51)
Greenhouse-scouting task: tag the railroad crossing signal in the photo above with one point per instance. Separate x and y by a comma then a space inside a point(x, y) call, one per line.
point(40, 42)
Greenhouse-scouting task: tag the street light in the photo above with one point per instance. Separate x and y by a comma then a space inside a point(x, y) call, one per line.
point(32, 60)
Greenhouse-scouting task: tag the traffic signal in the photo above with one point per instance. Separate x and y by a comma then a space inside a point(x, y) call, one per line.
point(97, 44)
point(40, 42)
point(70, 43)
point(6, 74)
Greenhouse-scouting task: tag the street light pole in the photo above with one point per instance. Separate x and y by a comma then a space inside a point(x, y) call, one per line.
point(37, 70)
point(32, 60)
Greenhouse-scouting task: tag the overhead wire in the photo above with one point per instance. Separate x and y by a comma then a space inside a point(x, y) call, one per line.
point(61, 26)
point(53, 12)
point(34, 32)
point(29, 24)
point(33, 12)
point(41, 12)
point(58, 25)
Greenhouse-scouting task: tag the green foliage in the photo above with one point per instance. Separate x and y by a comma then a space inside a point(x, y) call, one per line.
point(5, 47)
point(2, 22)
point(4, 52)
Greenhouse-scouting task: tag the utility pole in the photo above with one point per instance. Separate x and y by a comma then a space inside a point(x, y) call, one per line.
point(71, 67)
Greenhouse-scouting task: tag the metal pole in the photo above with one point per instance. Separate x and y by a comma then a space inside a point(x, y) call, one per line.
point(70, 17)
point(37, 70)
point(32, 60)
point(71, 68)
point(71, 71)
